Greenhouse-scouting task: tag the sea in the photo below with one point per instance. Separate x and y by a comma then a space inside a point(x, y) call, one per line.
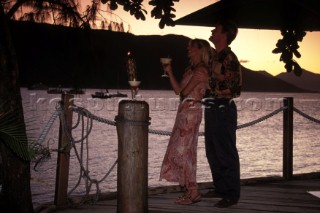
point(259, 140)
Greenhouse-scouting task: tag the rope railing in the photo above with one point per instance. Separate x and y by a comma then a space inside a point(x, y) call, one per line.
point(306, 116)
point(251, 123)
point(87, 126)
point(84, 112)
point(84, 167)
point(47, 127)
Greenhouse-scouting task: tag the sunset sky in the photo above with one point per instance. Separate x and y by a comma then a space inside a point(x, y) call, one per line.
point(253, 46)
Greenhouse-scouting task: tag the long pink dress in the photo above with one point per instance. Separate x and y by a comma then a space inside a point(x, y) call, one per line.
point(180, 161)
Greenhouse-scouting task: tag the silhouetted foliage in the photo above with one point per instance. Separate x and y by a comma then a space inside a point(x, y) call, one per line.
point(288, 47)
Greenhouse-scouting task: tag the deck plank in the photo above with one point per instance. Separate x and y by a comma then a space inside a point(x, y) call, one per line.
point(282, 197)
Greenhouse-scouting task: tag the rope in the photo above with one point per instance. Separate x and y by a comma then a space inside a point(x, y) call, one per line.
point(167, 133)
point(47, 127)
point(81, 110)
point(238, 127)
point(306, 116)
point(160, 132)
point(132, 122)
point(84, 112)
point(261, 119)
point(86, 130)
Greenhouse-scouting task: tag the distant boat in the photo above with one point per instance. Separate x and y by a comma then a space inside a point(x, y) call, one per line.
point(59, 90)
point(75, 91)
point(105, 95)
point(38, 86)
point(101, 95)
point(118, 94)
point(55, 91)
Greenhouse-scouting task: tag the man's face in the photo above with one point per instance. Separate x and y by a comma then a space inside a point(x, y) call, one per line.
point(216, 34)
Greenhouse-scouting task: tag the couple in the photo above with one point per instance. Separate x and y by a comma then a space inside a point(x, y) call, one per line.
point(213, 79)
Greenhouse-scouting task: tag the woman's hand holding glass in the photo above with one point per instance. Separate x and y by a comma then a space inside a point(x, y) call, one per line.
point(166, 65)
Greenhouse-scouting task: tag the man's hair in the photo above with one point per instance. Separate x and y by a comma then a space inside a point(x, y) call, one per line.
point(230, 28)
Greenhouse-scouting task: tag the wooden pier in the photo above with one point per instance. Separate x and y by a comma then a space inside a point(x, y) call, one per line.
point(257, 195)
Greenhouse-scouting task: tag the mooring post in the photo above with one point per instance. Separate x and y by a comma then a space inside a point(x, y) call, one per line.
point(288, 138)
point(62, 173)
point(132, 124)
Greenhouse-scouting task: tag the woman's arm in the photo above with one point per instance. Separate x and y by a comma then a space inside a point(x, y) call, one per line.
point(200, 74)
point(194, 81)
point(175, 85)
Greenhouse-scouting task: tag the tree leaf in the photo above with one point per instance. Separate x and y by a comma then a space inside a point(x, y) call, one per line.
point(297, 69)
point(288, 66)
point(297, 54)
point(13, 135)
point(276, 51)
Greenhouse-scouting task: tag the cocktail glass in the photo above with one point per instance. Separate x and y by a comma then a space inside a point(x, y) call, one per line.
point(134, 86)
point(165, 62)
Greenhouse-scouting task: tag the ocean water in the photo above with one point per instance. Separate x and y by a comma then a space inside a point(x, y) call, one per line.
point(259, 145)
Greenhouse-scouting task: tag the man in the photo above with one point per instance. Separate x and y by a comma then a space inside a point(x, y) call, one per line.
point(221, 117)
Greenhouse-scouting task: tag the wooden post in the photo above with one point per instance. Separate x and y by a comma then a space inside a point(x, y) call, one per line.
point(132, 183)
point(62, 173)
point(288, 138)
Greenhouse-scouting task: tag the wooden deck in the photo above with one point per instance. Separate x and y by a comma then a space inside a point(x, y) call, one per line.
point(262, 196)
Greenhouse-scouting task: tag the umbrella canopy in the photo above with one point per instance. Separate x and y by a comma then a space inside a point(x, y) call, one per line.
point(259, 14)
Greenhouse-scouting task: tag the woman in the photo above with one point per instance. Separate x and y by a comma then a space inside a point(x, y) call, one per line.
point(180, 161)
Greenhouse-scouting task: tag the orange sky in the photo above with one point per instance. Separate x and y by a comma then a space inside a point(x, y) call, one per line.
point(253, 46)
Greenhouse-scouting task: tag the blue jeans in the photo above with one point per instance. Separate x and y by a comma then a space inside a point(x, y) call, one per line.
point(220, 145)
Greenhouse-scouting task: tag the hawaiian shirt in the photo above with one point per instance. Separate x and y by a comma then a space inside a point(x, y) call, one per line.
point(227, 64)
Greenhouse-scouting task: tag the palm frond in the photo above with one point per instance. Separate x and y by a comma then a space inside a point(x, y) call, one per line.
point(13, 135)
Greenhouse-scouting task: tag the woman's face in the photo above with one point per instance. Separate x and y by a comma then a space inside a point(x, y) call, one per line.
point(194, 52)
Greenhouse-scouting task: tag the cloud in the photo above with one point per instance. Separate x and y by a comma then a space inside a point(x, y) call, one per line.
point(244, 61)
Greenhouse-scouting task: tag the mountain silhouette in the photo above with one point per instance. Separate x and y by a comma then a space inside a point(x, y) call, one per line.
point(307, 80)
point(261, 82)
point(71, 57)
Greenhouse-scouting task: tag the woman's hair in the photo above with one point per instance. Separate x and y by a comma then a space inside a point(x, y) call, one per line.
point(206, 49)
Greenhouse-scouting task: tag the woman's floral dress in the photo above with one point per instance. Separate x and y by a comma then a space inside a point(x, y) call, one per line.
point(180, 161)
